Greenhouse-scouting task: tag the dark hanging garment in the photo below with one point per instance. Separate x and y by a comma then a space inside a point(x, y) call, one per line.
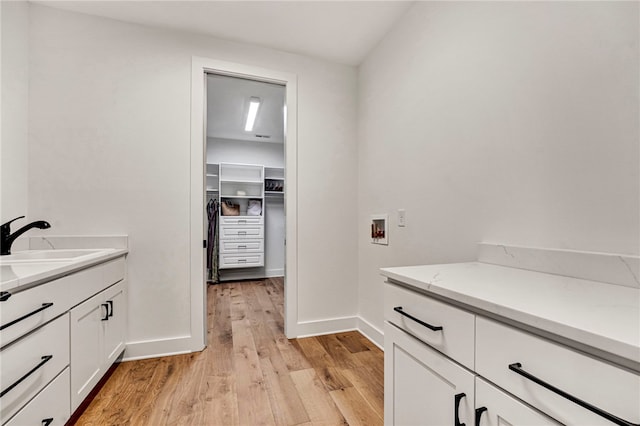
point(212, 241)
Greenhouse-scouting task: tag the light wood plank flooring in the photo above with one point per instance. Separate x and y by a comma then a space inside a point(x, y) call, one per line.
point(250, 373)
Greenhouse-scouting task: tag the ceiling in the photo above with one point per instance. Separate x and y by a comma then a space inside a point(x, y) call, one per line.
point(338, 31)
point(228, 103)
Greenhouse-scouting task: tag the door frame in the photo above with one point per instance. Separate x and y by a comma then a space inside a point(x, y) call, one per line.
point(200, 67)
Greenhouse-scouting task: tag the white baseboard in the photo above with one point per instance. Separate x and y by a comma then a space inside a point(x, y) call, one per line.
point(157, 348)
point(328, 326)
point(374, 334)
point(184, 344)
point(272, 273)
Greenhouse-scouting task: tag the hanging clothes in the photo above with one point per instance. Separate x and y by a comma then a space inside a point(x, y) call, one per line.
point(212, 241)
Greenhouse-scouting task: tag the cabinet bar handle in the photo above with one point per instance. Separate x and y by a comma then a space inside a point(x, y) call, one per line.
point(47, 422)
point(45, 359)
point(399, 310)
point(106, 315)
point(242, 247)
point(110, 309)
point(42, 308)
point(456, 408)
point(517, 367)
point(479, 412)
point(4, 295)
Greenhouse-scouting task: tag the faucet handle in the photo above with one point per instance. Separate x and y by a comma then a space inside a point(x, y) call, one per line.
point(9, 223)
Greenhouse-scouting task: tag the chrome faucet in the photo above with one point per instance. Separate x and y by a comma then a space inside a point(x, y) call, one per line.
point(7, 238)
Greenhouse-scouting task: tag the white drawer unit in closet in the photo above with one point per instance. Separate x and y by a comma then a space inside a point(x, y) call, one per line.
point(241, 246)
point(249, 260)
point(241, 232)
point(241, 220)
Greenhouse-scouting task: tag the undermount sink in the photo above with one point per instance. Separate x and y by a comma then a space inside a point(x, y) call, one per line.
point(31, 256)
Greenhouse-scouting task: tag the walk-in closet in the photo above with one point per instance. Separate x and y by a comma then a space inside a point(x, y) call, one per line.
point(245, 179)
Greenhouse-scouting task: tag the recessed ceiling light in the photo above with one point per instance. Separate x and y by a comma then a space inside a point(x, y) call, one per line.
point(254, 104)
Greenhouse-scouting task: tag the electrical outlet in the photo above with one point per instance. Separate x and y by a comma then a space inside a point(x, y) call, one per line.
point(402, 217)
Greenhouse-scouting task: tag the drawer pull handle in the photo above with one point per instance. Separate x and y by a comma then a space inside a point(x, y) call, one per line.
point(45, 359)
point(4, 295)
point(106, 315)
point(242, 247)
point(517, 367)
point(41, 308)
point(242, 232)
point(456, 409)
point(242, 260)
point(479, 412)
point(399, 310)
point(47, 422)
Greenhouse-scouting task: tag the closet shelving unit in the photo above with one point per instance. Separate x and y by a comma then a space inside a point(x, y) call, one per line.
point(274, 178)
point(241, 236)
point(212, 184)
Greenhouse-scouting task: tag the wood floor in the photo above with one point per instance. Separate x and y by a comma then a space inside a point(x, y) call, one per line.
point(250, 373)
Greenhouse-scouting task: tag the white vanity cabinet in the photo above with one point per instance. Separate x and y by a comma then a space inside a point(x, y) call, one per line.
point(507, 375)
point(97, 339)
point(53, 335)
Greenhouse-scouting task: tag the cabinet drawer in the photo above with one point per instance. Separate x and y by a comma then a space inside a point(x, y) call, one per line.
point(503, 409)
point(241, 232)
point(47, 301)
point(598, 383)
point(243, 246)
point(455, 339)
point(241, 260)
point(241, 220)
point(32, 363)
point(51, 406)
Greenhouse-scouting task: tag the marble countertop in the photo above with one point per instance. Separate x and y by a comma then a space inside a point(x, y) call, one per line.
point(599, 315)
point(18, 276)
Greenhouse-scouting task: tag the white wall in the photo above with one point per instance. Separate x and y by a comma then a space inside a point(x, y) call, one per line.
point(109, 154)
point(511, 122)
point(14, 116)
point(237, 151)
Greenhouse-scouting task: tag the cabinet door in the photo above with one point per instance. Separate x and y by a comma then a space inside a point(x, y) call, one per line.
point(86, 347)
point(422, 386)
point(503, 409)
point(115, 327)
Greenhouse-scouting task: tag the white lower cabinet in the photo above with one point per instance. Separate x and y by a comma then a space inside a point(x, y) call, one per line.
point(422, 386)
point(97, 339)
point(508, 376)
point(496, 408)
point(49, 408)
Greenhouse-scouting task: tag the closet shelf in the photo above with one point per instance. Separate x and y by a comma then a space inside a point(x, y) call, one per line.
point(212, 190)
point(241, 181)
point(273, 193)
point(255, 197)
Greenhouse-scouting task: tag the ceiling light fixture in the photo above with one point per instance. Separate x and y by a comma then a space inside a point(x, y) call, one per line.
point(254, 104)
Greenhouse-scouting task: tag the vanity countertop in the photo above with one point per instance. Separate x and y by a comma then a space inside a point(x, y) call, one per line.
point(17, 276)
point(598, 315)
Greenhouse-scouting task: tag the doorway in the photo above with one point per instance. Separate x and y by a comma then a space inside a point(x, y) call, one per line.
point(202, 70)
point(245, 179)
